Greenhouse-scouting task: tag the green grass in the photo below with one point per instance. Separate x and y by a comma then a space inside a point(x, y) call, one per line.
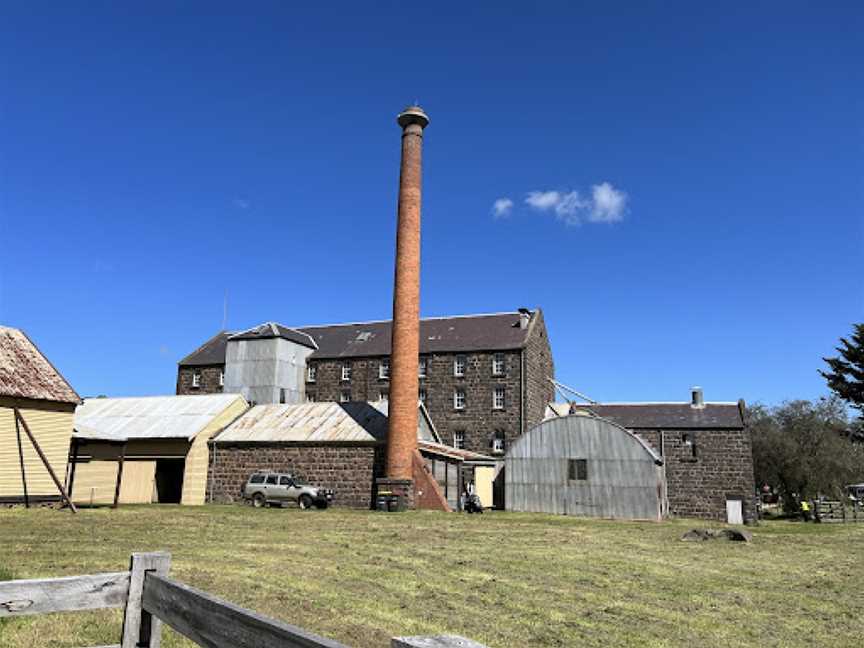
point(502, 579)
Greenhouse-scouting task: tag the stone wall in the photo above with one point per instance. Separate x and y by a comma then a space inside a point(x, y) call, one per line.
point(539, 368)
point(348, 470)
point(209, 380)
point(698, 484)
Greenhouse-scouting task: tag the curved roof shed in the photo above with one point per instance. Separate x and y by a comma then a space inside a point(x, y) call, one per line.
point(585, 466)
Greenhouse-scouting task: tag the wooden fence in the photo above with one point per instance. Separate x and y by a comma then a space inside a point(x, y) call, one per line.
point(150, 598)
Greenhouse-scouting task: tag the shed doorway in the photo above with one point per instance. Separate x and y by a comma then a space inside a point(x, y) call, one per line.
point(169, 480)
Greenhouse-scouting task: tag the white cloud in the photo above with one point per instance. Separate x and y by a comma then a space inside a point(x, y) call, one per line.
point(543, 200)
point(502, 207)
point(606, 205)
point(239, 203)
point(609, 204)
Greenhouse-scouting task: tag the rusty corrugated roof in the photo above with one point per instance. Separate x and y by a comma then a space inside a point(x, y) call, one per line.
point(149, 417)
point(323, 422)
point(26, 373)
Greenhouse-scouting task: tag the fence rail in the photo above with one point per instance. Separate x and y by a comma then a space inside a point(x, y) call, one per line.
point(150, 599)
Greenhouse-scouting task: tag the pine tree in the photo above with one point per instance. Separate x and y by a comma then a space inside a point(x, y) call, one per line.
point(846, 371)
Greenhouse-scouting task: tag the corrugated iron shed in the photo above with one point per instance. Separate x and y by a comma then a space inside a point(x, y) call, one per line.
point(153, 417)
point(324, 422)
point(26, 373)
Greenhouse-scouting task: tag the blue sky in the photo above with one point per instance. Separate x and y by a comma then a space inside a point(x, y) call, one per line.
point(154, 156)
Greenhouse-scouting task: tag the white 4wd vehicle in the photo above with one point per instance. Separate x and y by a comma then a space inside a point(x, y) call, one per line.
point(265, 488)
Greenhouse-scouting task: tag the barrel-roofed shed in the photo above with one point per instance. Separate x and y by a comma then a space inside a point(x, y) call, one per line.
point(585, 466)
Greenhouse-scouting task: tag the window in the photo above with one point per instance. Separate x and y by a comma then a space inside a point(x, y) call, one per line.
point(311, 373)
point(384, 370)
point(577, 469)
point(422, 396)
point(282, 396)
point(346, 372)
point(310, 398)
point(498, 398)
point(285, 481)
point(459, 366)
point(459, 399)
point(383, 395)
point(689, 441)
point(345, 397)
point(498, 364)
point(421, 368)
point(271, 479)
point(498, 442)
point(459, 439)
point(256, 479)
point(222, 378)
point(196, 379)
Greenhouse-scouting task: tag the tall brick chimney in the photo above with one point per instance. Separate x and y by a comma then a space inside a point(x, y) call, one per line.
point(405, 343)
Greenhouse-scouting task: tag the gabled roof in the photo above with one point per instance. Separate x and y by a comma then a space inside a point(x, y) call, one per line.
point(270, 330)
point(498, 332)
point(26, 373)
point(323, 422)
point(151, 417)
point(659, 416)
point(463, 333)
point(212, 352)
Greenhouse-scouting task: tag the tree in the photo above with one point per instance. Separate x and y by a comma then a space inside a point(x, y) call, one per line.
point(846, 372)
point(801, 448)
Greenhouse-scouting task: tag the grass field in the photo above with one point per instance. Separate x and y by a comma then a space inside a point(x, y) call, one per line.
point(502, 579)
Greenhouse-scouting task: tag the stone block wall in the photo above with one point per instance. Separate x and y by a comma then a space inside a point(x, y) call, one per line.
point(348, 470)
point(698, 484)
point(478, 421)
point(539, 368)
point(209, 383)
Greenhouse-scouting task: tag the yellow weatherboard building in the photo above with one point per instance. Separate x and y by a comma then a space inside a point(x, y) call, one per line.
point(36, 412)
point(146, 450)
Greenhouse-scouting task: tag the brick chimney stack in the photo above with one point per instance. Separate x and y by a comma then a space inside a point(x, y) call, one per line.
point(405, 344)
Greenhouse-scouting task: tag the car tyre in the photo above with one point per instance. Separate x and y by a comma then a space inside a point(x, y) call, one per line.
point(258, 500)
point(304, 501)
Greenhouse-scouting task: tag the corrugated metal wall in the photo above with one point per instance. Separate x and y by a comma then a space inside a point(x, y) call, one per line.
point(262, 369)
point(53, 432)
point(623, 479)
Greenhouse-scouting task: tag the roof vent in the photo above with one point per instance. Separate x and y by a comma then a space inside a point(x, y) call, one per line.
point(696, 399)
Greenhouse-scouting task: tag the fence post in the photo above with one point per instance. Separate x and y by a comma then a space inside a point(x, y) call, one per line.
point(140, 628)
point(434, 641)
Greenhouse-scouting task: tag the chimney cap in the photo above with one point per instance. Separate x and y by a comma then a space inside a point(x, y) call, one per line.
point(413, 115)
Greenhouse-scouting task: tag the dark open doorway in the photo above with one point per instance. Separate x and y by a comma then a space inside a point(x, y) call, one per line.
point(169, 480)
